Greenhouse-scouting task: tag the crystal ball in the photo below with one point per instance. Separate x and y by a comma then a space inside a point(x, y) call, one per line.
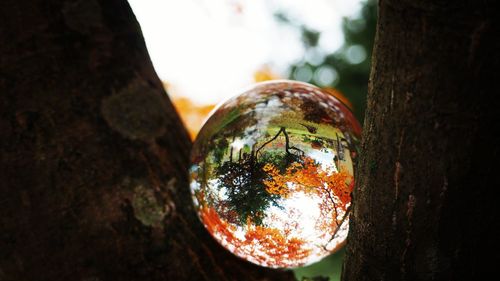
point(272, 173)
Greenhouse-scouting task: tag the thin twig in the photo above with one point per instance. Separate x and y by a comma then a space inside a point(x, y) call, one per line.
point(346, 214)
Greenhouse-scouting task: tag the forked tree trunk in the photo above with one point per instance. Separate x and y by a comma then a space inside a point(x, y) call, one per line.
point(93, 170)
point(425, 205)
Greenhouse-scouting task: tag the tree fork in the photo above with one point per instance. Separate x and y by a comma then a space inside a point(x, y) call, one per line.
point(93, 170)
point(424, 206)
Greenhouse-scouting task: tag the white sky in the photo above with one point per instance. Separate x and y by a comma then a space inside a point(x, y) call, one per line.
point(209, 49)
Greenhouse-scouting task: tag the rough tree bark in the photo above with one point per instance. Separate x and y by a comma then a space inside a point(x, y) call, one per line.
point(93, 170)
point(424, 205)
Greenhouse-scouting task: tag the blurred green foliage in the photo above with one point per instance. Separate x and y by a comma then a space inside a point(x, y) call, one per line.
point(328, 269)
point(346, 70)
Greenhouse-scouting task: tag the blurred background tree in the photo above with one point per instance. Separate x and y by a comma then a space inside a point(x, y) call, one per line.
point(345, 72)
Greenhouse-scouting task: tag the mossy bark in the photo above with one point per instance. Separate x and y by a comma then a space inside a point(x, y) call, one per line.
point(93, 170)
point(424, 204)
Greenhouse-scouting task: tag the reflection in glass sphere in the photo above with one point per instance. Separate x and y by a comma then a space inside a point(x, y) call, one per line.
point(272, 173)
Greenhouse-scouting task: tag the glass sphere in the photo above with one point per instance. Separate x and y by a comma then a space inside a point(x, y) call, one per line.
point(272, 173)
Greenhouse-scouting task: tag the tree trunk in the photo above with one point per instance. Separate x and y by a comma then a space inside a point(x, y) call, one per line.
point(93, 170)
point(424, 205)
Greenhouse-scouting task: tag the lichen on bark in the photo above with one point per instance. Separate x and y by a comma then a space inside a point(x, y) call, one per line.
point(137, 111)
